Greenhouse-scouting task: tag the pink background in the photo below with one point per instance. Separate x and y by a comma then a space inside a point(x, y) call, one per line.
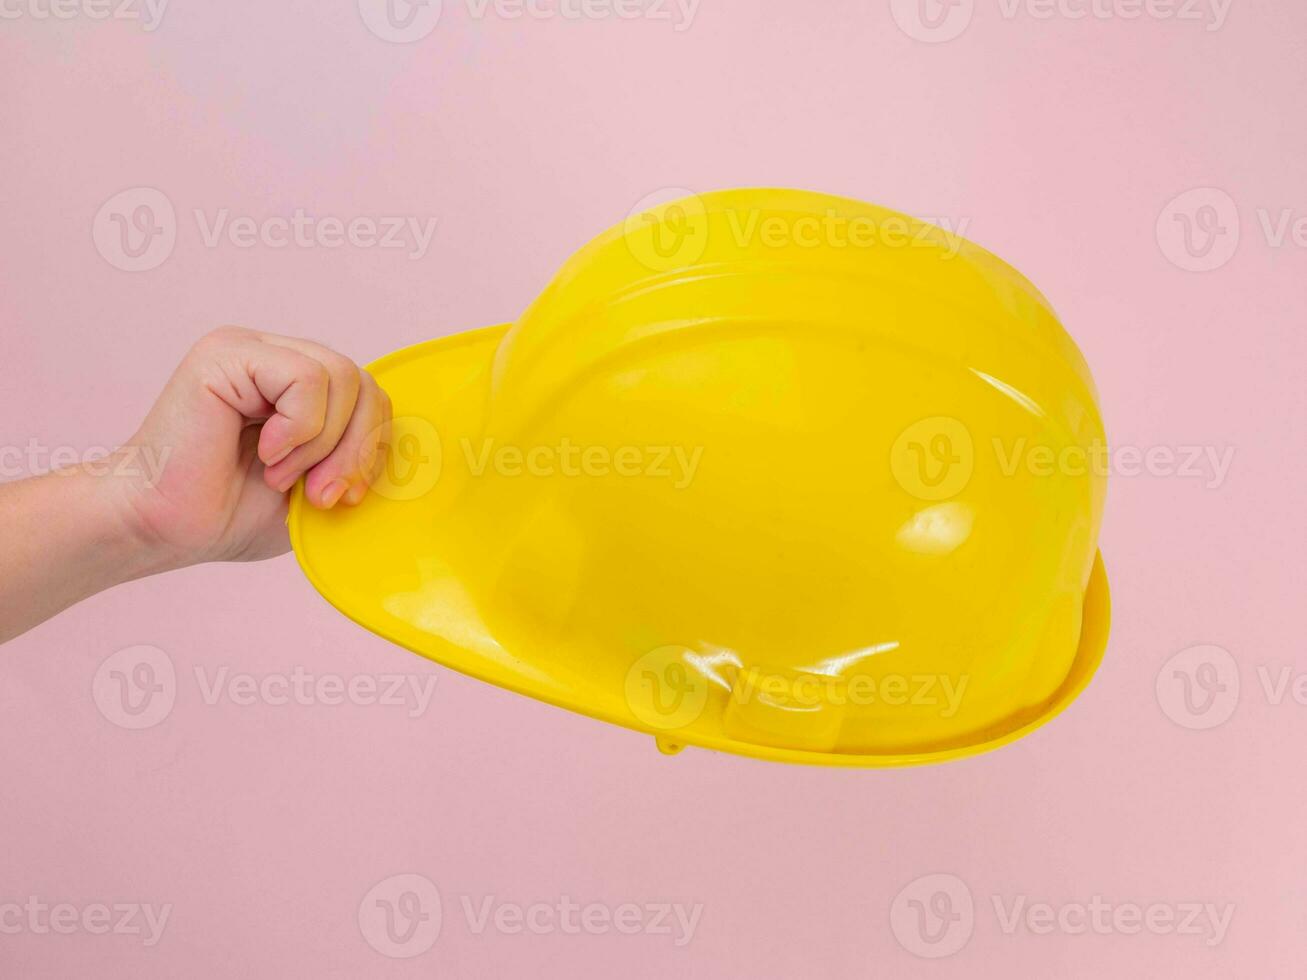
point(1060, 141)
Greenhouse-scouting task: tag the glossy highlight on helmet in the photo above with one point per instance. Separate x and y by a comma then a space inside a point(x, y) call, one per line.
point(765, 471)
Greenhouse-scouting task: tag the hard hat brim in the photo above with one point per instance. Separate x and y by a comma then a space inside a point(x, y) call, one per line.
point(364, 559)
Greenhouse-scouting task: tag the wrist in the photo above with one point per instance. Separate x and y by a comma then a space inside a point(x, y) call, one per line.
point(119, 500)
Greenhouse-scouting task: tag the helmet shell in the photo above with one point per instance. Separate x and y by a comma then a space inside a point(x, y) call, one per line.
point(832, 484)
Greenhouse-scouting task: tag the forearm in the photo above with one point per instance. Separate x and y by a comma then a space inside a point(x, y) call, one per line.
point(64, 536)
point(244, 417)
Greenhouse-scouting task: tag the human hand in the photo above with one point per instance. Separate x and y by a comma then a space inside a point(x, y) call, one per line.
point(244, 416)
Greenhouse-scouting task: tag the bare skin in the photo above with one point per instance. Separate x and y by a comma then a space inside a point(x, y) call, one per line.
point(243, 418)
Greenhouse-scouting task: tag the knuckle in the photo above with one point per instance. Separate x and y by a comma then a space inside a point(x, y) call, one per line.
point(229, 331)
point(349, 381)
point(316, 375)
point(220, 337)
point(341, 366)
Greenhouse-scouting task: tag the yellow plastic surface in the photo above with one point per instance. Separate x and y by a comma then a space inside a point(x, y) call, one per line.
point(764, 471)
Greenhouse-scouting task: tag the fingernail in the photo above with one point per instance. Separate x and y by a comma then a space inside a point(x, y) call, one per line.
point(287, 482)
point(333, 491)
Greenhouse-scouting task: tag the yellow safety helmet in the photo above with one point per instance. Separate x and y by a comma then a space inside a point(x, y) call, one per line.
point(765, 471)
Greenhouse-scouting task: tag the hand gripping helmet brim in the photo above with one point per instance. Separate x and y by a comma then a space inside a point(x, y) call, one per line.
point(763, 471)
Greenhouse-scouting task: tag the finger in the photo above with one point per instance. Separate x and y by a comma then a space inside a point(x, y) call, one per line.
point(290, 386)
point(373, 460)
point(373, 473)
point(343, 383)
point(353, 464)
